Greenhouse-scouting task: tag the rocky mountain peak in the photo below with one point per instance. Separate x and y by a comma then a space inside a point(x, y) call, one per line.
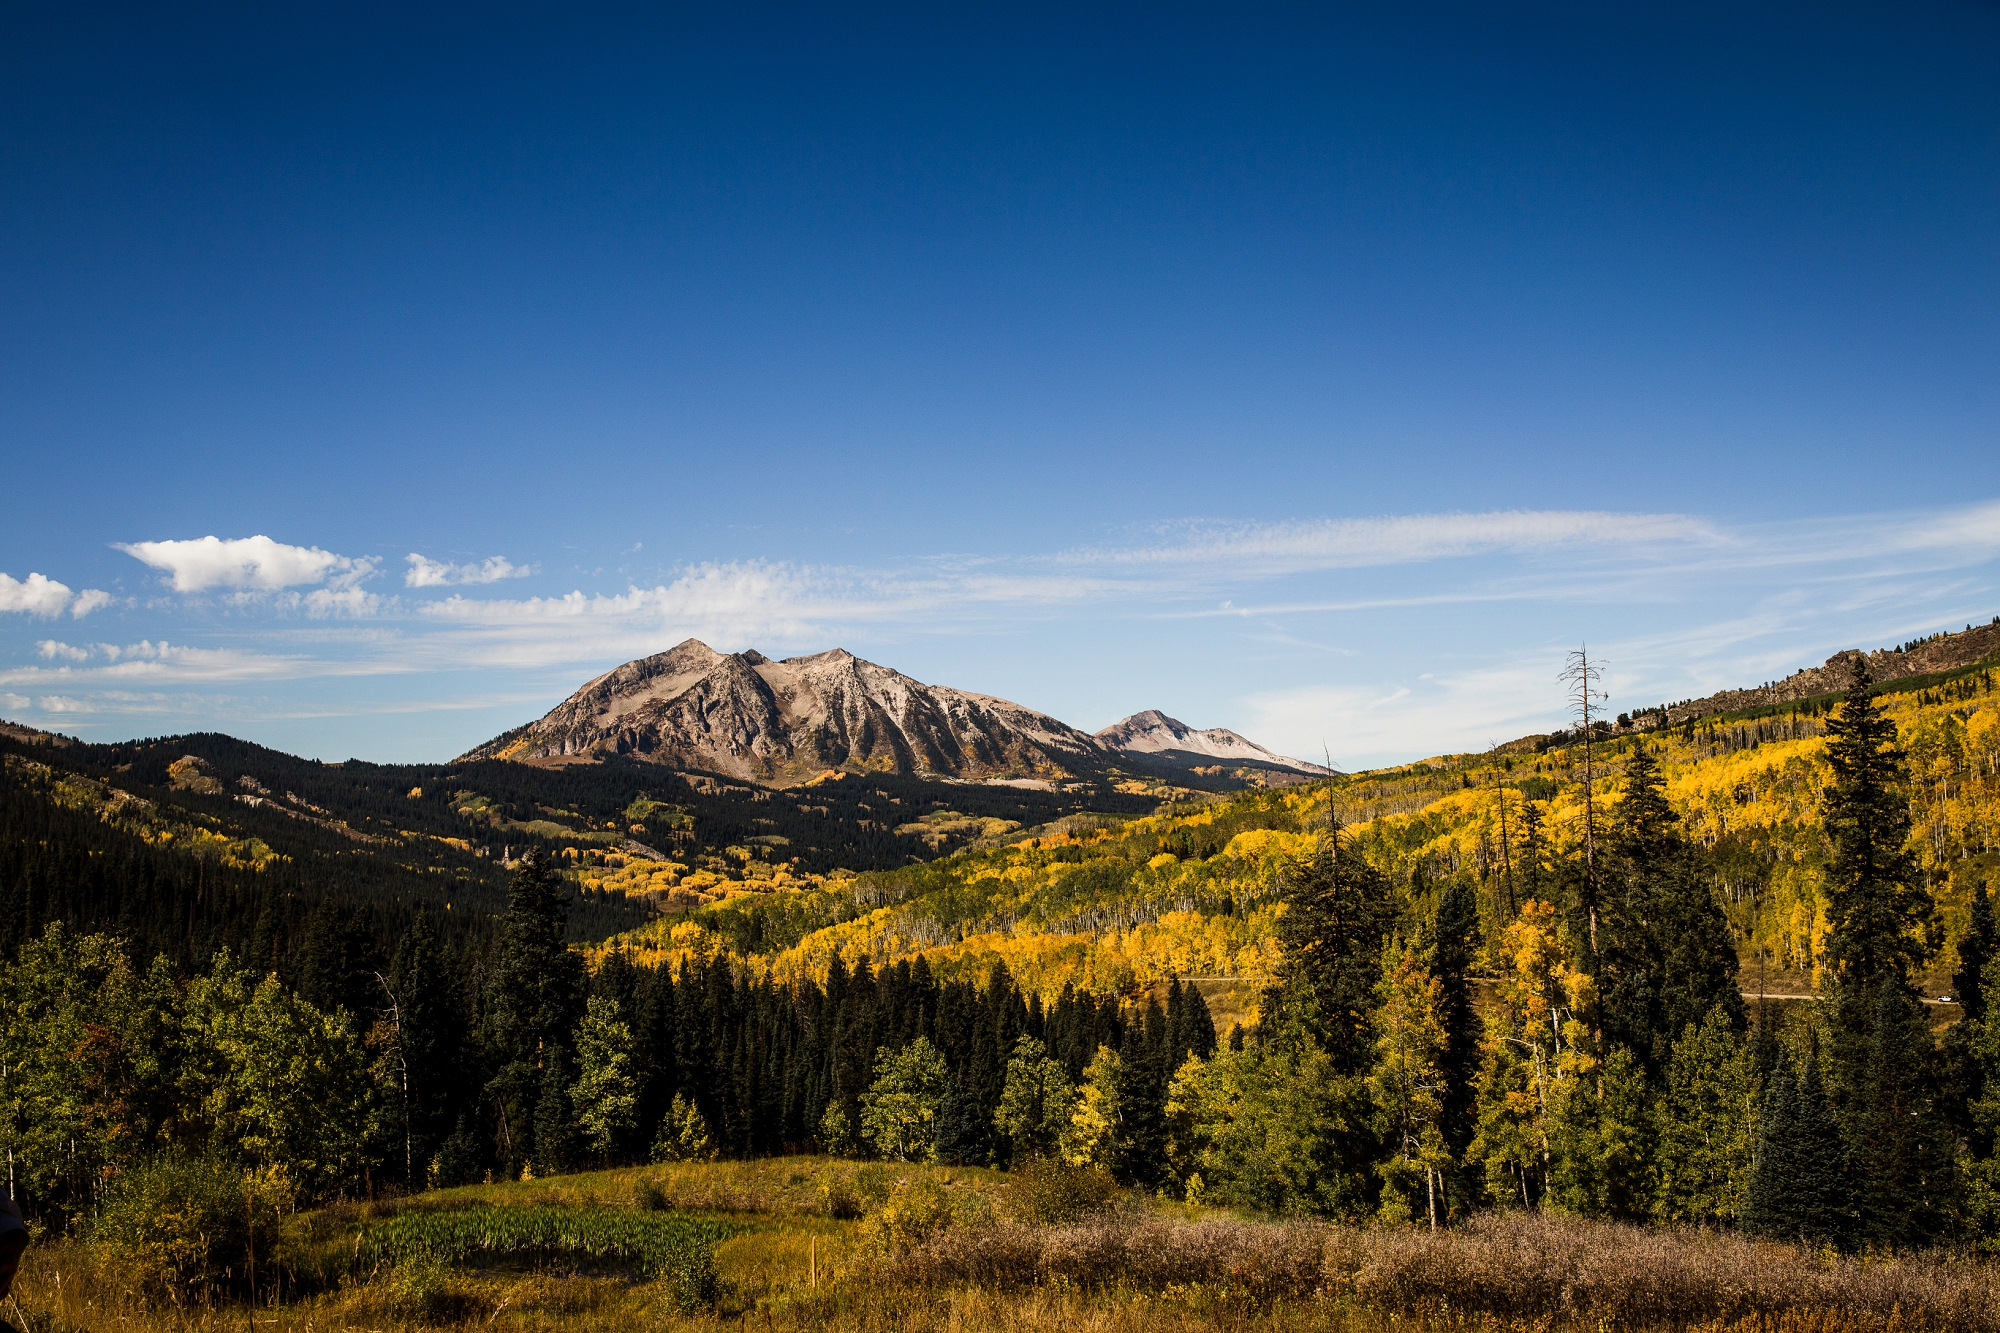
point(1153, 733)
point(781, 722)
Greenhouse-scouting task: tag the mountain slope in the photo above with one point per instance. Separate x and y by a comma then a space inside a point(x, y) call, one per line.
point(745, 715)
point(1154, 733)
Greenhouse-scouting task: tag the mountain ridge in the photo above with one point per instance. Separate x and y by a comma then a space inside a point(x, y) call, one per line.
point(787, 722)
point(1153, 732)
point(784, 722)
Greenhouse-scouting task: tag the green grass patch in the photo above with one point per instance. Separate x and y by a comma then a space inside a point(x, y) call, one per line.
point(674, 1248)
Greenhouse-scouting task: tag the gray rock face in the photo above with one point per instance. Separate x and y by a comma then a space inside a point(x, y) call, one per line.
point(782, 722)
point(1153, 732)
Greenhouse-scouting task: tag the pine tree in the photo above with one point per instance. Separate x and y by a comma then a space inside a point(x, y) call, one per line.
point(1798, 1186)
point(1876, 899)
point(1886, 1084)
point(1142, 1092)
point(1962, 1076)
point(1668, 957)
point(534, 998)
point(1706, 1121)
point(1451, 940)
point(1906, 1150)
point(431, 1024)
point(340, 961)
point(1975, 950)
point(557, 1144)
point(1339, 911)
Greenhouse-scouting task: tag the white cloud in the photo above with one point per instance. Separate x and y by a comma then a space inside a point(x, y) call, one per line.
point(37, 595)
point(441, 574)
point(90, 599)
point(15, 702)
point(53, 648)
point(256, 563)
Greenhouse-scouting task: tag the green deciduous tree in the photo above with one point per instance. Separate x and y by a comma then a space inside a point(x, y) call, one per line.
point(606, 1096)
point(899, 1112)
point(1091, 1137)
point(1274, 1126)
point(1706, 1121)
point(1408, 1085)
point(82, 1049)
point(1036, 1102)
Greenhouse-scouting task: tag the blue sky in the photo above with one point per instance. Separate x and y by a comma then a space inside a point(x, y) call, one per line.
point(1325, 375)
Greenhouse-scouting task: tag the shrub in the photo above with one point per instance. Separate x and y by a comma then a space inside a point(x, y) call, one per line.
point(849, 1195)
point(1262, 1260)
point(418, 1288)
point(184, 1222)
point(915, 1211)
point(651, 1197)
point(1050, 1191)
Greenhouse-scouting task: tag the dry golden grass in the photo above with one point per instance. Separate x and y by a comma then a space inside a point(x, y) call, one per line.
point(1137, 1270)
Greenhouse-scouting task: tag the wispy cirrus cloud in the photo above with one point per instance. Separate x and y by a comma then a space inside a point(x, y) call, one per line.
point(1354, 543)
point(166, 663)
point(425, 573)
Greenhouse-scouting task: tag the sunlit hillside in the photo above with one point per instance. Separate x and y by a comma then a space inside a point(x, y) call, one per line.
point(1110, 903)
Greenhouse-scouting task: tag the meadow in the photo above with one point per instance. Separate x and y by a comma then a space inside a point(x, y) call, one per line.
point(816, 1243)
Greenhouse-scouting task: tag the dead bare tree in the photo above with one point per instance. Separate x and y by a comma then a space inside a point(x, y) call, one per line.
point(1582, 676)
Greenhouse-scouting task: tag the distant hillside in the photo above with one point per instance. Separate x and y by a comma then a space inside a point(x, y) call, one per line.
point(1919, 657)
point(193, 843)
point(1190, 890)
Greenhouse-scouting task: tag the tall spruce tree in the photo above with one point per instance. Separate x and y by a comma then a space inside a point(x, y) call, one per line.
point(1668, 957)
point(1877, 903)
point(1962, 1075)
point(1799, 1185)
point(558, 1145)
point(534, 999)
point(1142, 1098)
point(432, 1029)
point(1975, 950)
point(1904, 1147)
point(339, 963)
point(1451, 940)
point(1339, 910)
point(1887, 1084)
